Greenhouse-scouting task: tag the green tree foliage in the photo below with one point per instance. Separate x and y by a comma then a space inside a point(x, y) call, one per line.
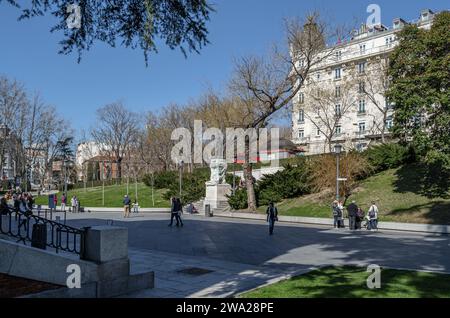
point(238, 201)
point(134, 24)
point(193, 186)
point(387, 156)
point(161, 179)
point(291, 182)
point(419, 70)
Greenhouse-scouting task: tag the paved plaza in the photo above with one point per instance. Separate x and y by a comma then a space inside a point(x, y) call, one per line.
point(218, 257)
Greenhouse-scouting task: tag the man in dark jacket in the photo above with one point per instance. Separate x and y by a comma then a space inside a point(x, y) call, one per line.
point(272, 216)
point(352, 214)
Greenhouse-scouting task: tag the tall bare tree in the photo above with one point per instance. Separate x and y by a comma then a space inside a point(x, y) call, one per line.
point(374, 86)
point(267, 85)
point(327, 107)
point(116, 128)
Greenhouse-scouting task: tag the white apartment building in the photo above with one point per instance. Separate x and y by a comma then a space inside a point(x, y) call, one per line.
point(342, 100)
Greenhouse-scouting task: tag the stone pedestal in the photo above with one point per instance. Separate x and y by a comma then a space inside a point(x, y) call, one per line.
point(106, 243)
point(216, 194)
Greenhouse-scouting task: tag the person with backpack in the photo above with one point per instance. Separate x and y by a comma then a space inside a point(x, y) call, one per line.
point(272, 216)
point(373, 217)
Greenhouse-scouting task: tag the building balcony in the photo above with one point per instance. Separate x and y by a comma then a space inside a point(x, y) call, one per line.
point(303, 140)
point(360, 134)
point(339, 136)
point(361, 113)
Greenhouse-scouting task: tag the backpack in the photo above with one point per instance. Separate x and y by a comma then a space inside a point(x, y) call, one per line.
point(372, 212)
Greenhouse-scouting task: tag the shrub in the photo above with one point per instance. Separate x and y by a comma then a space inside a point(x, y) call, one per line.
point(162, 179)
point(388, 156)
point(291, 182)
point(352, 165)
point(238, 201)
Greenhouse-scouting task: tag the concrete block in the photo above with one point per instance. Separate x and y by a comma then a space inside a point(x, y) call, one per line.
point(113, 269)
point(106, 243)
point(7, 252)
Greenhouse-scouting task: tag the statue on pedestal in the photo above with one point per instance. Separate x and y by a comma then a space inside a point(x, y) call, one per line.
point(218, 171)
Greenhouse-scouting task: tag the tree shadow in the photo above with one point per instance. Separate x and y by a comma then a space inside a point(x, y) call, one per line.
point(351, 282)
point(431, 181)
point(438, 212)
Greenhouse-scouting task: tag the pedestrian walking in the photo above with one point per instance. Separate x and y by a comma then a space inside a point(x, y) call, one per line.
point(63, 202)
point(55, 200)
point(352, 212)
point(74, 204)
point(173, 211)
point(179, 212)
point(372, 216)
point(126, 206)
point(272, 216)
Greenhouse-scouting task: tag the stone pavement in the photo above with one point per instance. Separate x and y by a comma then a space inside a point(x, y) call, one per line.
point(242, 255)
point(186, 276)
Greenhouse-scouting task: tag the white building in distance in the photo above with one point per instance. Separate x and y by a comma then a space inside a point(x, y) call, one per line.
point(343, 99)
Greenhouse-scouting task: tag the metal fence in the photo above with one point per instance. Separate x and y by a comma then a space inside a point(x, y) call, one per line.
point(24, 227)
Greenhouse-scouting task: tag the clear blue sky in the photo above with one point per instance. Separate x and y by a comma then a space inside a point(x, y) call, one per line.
point(28, 53)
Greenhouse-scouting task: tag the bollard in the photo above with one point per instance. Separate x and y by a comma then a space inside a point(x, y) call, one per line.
point(208, 212)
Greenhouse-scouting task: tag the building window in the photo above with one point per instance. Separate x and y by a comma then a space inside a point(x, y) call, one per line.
point(338, 130)
point(362, 106)
point(361, 67)
point(317, 132)
point(318, 76)
point(337, 92)
point(301, 134)
point(361, 87)
point(337, 73)
point(362, 48)
point(301, 116)
point(361, 127)
point(337, 109)
point(301, 98)
point(338, 55)
point(360, 147)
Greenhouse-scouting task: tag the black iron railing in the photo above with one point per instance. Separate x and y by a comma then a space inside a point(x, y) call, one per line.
point(59, 236)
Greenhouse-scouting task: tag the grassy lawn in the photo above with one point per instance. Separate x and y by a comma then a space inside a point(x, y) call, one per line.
point(92, 197)
point(350, 282)
point(398, 194)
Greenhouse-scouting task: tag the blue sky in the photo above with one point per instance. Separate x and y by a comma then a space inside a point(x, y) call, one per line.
point(28, 53)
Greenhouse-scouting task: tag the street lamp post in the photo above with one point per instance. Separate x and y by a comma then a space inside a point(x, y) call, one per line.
point(234, 174)
point(337, 151)
point(181, 164)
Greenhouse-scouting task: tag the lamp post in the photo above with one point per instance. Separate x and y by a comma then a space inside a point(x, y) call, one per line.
point(180, 166)
point(234, 174)
point(337, 151)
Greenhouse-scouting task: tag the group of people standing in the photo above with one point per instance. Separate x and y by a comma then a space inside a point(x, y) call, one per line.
point(21, 202)
point(355, 215)
point(74, 203)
